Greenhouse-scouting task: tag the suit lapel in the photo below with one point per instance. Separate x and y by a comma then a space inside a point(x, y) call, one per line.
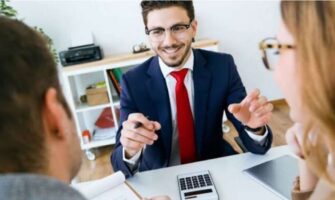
point(202, 82)
point(158, 92)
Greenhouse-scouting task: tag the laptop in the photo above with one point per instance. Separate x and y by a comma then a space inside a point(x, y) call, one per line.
point(277, 175)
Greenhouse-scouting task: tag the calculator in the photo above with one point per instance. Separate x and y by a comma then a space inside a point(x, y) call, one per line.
point(197, 186)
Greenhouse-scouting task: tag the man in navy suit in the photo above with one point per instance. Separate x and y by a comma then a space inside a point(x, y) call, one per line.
point(172, 105)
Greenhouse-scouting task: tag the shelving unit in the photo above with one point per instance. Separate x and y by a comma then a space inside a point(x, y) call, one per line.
point(77, 78)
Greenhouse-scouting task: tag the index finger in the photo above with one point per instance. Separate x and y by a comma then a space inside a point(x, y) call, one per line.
point(253, 95)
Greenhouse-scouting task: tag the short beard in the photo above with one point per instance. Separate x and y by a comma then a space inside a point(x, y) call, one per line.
point(182, 60)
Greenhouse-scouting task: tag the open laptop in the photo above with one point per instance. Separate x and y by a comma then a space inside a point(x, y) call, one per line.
point(277, 175)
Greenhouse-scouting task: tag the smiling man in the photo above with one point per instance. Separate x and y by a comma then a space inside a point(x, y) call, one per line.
point(172, 105)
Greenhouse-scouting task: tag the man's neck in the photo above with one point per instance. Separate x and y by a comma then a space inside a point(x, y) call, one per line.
point(184, 61)
point(59, 173)
point(187, 63)
point(58, 165)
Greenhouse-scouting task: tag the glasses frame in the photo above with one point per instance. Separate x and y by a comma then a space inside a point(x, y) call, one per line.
point(187, 26)
point(263, 46)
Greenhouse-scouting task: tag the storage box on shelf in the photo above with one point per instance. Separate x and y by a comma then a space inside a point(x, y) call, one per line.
point(97, 96)
point(109, 70)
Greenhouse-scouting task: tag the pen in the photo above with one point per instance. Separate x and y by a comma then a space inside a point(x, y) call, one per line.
point(139, 124)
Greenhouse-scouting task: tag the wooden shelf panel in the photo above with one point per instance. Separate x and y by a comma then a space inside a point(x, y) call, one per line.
point(100, 143)
point(86, 107)
point(124, 59)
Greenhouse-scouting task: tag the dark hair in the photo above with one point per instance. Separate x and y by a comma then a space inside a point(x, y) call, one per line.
point(148, 6)
point(27, 71)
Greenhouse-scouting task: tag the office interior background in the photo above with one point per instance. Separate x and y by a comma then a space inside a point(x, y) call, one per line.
point(116, 26)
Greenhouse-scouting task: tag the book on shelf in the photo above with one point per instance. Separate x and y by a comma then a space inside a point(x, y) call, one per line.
point(113, 187)
point(118, 73)
point(115, 81)
point(105, 119)
point(103, 134)
point(104, 125)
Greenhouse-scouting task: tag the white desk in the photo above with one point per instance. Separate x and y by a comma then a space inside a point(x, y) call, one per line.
point(227, 173)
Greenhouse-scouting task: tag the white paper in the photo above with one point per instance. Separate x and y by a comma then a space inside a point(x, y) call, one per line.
point(81, 36)
point(112, 187)
point(120, 192)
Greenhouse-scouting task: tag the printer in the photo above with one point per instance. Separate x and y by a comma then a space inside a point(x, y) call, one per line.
point(80, 54)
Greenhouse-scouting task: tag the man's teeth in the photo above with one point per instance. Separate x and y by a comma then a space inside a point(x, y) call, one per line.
point(171, 50)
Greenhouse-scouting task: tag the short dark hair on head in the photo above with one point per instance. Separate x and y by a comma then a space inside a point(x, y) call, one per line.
point(27, 71)
point(148, 6)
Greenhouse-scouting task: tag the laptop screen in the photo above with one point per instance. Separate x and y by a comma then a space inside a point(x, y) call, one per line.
point(277, 175)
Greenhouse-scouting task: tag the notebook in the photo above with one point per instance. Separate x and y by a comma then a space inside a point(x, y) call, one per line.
point(113, 187)
point(277, 175)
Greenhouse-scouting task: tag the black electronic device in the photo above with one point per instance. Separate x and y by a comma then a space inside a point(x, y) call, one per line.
point(81, 54)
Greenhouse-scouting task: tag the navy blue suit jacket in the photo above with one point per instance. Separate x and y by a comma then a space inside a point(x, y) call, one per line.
point(217, 84)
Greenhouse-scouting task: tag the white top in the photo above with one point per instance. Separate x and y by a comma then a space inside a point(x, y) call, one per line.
point(171, 84)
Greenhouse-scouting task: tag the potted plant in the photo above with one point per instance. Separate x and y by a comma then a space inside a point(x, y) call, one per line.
point(8, 11)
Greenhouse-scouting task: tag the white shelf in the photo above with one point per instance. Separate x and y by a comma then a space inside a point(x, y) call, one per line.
point(86, 107)
point(99, 143)
point(117, 104)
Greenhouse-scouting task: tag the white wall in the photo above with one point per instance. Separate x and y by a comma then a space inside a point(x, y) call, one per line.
point(117, 26)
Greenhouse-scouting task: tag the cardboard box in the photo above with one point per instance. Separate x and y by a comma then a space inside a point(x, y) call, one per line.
point(97, 96)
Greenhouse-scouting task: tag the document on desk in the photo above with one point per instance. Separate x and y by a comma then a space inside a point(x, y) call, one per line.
point(113, 187)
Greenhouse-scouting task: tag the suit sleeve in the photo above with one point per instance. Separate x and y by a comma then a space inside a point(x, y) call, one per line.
point(127, 107)
point(235, 95)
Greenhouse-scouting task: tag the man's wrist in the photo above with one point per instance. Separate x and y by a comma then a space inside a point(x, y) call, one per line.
point(258, 131)
point(129, 154)
point(131, 159)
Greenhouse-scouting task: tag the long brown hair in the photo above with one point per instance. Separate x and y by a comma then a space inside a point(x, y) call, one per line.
point(312, 24)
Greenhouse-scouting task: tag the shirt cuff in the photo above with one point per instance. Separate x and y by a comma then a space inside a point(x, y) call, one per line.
point(260, 139)
point(133, 160)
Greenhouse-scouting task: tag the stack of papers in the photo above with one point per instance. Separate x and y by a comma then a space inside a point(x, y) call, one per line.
point(104, 133)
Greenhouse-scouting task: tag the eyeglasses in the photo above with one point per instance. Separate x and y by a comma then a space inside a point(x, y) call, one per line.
point(270, 48)
point(158, 34)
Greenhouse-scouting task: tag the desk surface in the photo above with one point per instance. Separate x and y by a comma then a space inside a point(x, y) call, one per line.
point(227, 173)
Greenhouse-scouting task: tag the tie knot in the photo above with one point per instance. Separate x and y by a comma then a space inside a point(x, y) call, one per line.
point(180, 75)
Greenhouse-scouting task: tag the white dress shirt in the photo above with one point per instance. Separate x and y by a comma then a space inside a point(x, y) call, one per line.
point(171, 84)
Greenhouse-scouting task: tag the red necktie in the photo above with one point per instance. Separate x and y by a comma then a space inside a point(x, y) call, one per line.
point(184, 119)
